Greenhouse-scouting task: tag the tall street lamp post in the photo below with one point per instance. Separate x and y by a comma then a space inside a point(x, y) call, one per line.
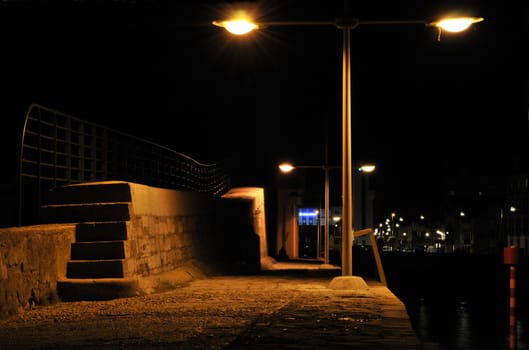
point(242, 23)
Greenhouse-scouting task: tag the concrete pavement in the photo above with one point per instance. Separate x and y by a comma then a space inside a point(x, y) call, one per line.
point(288, 306)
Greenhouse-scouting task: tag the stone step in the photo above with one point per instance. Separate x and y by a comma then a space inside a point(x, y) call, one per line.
point(76, 213)
point(98, 250)
point(73, 289)
point(99, 192)
point(95, 269)
point(101, 231)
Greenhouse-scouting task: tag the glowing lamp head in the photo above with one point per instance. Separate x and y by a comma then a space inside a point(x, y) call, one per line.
point(237, 27)
point(240, 23)
point(367, 168)
point(286, 167)
point(456, 25)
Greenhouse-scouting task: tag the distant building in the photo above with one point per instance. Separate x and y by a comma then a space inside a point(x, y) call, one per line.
point(486, 213)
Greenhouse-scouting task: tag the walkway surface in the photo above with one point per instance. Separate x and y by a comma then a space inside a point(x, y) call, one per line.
point(289, 306)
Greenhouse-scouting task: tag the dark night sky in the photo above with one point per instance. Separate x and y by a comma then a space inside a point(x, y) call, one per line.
point(158, 70)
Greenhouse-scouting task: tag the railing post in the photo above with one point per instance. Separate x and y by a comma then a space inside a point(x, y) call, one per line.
point(511, 257)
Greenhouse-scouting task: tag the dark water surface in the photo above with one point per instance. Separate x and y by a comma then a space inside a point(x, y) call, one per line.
point(466, 323)
point(460, 301)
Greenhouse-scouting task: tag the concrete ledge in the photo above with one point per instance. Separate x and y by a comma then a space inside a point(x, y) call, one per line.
point(75, 289)
point(32, 259)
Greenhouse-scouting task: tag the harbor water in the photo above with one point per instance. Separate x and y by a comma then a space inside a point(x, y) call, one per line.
point(461, 301)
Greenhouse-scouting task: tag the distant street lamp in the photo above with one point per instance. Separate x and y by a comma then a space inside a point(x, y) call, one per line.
point(366, 170)
point(286, 168)
point(242, 23)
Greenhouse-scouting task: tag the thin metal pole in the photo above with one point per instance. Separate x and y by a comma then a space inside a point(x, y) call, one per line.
point(326, 217)
point(347, 178)
point(318, 234)
point(512, 307)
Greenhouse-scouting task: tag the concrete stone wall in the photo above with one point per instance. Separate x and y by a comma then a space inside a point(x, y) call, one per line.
point(32, 259)
point(167, 230)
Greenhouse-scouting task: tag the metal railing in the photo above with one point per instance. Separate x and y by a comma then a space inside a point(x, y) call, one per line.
point(58, 149)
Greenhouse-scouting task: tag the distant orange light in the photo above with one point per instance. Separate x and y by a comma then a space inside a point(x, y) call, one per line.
point(367, 168)
point(286, 167)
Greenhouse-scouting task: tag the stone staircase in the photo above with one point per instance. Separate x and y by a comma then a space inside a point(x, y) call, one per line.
point(97, 266)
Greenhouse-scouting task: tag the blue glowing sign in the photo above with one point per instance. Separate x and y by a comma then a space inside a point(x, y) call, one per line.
point(308, 216)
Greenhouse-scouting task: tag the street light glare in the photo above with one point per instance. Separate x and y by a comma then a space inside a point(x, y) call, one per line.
point(367, 168)
point(456, 25)
point(241, 23)
point(286, 167)
point(237, 27)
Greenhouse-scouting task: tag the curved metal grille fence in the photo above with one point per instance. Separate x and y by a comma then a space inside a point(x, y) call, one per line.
point(58, 149)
